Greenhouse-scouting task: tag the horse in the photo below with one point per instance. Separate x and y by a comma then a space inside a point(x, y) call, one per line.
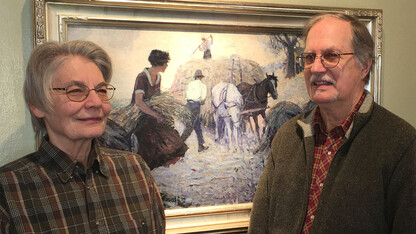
point(277, 116)
point(227, 102)
point(255, 99)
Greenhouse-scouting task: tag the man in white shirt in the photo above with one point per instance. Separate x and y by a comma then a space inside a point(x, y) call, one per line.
point(195, 97)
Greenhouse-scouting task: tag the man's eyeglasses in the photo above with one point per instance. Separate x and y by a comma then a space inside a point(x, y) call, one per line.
point(328, 59)
point(78, 93)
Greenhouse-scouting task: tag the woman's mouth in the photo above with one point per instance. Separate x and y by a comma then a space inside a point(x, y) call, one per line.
point(91, 119)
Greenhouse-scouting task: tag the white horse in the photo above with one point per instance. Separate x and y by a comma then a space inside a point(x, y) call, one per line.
point(227, 102)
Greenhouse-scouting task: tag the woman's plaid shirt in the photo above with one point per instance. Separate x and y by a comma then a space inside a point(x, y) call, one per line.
point(47, 192)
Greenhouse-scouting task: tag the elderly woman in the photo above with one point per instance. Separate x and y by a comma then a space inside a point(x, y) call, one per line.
point(159, 143)
point(71, 184)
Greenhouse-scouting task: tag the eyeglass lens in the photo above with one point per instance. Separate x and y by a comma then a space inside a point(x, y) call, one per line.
point(329, 59)
point(79, 93)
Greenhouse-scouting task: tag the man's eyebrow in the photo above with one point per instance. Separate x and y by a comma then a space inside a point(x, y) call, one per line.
point(326, 50)
point(101, 84)
point(331, 49)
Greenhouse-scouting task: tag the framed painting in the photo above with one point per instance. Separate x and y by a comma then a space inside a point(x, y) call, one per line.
point(237, 45)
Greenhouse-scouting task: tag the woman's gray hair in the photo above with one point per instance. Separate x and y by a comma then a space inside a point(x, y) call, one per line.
point(45, 61)
point(361, 42)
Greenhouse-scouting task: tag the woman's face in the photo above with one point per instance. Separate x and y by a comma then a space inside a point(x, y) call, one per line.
point(163, 67)
point(70, 121)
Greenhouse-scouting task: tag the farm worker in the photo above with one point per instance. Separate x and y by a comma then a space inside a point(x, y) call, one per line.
point(347, 166)
point(159, 143)
point(206, 46)
point(196, 93)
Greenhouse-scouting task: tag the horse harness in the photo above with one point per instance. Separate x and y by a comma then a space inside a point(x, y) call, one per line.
point(256, 99)
point(223, 93)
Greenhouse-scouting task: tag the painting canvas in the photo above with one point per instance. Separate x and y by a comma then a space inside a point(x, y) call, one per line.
point(225, 173)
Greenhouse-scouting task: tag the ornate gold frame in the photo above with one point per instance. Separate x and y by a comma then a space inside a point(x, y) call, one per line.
point(52, 17)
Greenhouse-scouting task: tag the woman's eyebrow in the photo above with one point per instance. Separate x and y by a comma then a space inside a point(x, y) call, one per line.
point(75, 82)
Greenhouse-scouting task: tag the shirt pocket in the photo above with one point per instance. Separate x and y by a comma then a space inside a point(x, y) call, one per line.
point(133, 226)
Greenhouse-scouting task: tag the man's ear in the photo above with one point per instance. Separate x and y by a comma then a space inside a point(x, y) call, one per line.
point(36, 111)
point(365, 68)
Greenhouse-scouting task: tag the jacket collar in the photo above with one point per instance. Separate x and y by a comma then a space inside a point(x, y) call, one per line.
point(360, 118)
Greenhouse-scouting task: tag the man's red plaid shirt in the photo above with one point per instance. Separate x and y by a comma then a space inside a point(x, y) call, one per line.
point(326, 145)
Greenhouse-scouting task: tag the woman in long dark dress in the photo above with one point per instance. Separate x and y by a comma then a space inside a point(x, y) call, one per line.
point(159, 143)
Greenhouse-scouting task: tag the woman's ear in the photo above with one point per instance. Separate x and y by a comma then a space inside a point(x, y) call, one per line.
point(36, 111)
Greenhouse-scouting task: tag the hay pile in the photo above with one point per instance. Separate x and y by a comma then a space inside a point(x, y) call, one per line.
point(128, 117)
point(123, 121)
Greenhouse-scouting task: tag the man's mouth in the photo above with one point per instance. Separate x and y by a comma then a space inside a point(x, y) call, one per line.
point(322, 82)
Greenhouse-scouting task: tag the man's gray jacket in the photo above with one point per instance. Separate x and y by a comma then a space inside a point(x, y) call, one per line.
point(370, 186)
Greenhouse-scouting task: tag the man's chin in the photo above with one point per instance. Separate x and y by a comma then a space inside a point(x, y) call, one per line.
point(324, 98)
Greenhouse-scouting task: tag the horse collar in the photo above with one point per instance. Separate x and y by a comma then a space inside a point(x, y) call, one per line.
point(256, 99)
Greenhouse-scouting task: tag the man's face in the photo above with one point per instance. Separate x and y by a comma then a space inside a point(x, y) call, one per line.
point(343, 83)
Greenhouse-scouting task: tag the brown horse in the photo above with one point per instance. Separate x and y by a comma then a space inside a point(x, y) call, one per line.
point(255, 99)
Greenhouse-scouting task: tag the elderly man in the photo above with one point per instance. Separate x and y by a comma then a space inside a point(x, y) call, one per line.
point(349, 165)
point(71, 184)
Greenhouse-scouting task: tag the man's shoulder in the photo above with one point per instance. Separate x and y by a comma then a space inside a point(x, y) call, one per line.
point(295, 122)
point(196, 84)
point(389, 122)
point(387, 130)
point(292, 126)
point(193, 82)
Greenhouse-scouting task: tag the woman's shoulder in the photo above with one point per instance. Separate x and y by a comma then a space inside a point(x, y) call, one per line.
point(22, 164)
point(142, 75)
point(142, 80)
point(123, 158)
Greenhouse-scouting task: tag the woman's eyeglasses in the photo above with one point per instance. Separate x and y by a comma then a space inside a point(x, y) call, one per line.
point(78, 93)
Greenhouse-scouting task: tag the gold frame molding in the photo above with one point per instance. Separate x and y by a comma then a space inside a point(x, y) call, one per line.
point(52, 17)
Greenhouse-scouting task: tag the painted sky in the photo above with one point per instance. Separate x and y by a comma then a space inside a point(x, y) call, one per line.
point(129, 49)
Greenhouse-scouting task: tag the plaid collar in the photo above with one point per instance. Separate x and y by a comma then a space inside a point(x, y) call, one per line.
point(64, 166)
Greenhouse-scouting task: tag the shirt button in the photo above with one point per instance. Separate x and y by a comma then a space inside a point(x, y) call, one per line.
point(329, 152)
point(321, 185)
point(312, 217)
point(143, 223)
point(97, 223)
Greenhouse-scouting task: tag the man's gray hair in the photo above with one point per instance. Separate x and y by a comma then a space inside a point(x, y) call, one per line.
point(361, 42)
point(45, 61)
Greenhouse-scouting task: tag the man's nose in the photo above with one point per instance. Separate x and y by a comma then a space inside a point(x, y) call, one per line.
point(317, 65)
